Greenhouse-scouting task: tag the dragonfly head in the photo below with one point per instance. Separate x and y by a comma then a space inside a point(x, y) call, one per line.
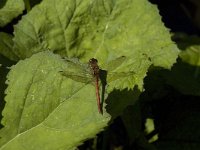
point(93, 61)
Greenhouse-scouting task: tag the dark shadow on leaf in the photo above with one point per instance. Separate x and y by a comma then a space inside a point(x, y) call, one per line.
point(184, 77)
point(3, 73)
point(171, 99)
point(118, 100)
point(184, 41)
point(103, 79)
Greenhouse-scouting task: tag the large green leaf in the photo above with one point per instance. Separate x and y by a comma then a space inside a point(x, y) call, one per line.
point(101, 29)
point(6, 45)
point(45, 110)
point(10, 10)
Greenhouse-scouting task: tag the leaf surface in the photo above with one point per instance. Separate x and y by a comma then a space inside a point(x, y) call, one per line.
point(48, 111)
point(6, 46)
point(101, 29)
point(10, 10)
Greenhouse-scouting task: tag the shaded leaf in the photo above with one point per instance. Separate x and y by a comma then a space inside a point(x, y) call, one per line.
point(118, 100)
point(10, 10)
point(6, 45)
point(183, 78)
point(185, 75)
point(179, 129)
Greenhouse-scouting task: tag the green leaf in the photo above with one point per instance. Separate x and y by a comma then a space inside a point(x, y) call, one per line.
point(191, 56)
point(6, 45)
point(118, 100)
point(4, 64)
point(183, 78)
point(101, 29)
point(3, 73)
point(184, 41)
point(106, 30)
point(10, 10)
point(45, 110)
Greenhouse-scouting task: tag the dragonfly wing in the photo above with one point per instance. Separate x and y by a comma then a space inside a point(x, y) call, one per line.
point(84, 78)
point(75, 64)
point(113, 64)
point(76, 71)
point(119, 75)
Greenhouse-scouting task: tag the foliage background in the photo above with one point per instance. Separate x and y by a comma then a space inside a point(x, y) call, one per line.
point(166, 116)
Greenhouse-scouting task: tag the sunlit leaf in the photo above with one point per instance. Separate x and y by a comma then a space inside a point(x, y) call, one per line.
point(48, 111)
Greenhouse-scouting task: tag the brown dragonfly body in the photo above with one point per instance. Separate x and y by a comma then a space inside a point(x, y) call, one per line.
point(93, 64)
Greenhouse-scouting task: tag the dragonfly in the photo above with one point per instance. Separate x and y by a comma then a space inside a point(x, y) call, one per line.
point(91, 73)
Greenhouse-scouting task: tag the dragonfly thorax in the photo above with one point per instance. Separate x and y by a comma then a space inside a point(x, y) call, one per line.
point(93, 64)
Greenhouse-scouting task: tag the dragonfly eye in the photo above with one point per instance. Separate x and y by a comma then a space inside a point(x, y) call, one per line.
point(93, 60)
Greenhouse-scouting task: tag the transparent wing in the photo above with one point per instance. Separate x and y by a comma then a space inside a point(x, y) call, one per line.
point(76, 65)
point(81, 73)
point(77, 71)
point(84, 78)
point(113, 64)
point(119, 75)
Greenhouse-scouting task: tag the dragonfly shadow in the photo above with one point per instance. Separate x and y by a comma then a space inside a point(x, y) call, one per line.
point(103, 79)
